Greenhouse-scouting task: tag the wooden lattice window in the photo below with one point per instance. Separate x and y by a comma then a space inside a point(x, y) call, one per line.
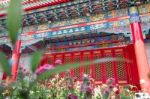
point(68, 60)
point(50, 60)
point(60, 57)
point(98, 69)
point(87, 69)
point(77, 70)
point(121, 68)
point(109, 67)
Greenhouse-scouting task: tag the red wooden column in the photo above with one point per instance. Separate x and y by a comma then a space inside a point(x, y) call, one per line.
point(142, 62)
point(92, 65)
point(15, 59)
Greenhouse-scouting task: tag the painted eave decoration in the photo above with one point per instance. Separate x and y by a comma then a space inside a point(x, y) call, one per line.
point(31, 4)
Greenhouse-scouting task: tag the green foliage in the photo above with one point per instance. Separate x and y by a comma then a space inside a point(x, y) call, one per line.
point(123, 95)
point(2, 88)
point(14, 24)
point(14, 19)
point(35, 60)
point(4, 63)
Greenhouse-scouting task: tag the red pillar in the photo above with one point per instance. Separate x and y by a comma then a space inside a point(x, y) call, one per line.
point(142, 62)
point(15, 59)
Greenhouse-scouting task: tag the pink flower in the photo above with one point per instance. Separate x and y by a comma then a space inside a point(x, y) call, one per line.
point(72, 96)
point(58, 62)
point(44, 68)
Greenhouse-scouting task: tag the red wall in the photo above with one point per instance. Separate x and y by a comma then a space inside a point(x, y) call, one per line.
point(124, 72)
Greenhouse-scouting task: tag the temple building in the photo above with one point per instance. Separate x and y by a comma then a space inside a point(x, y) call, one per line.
point(86, 30)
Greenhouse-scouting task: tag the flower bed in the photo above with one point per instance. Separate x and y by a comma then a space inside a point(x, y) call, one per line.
point(69, 88)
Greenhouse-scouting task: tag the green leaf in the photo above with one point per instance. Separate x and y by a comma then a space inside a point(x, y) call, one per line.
point(35, 60)
point(4, 63)
point(65, 67)
point(123, 96)
point(14, 19)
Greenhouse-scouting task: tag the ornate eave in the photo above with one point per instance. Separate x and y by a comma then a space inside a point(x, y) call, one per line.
point(44, 12)
point(29, 5)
